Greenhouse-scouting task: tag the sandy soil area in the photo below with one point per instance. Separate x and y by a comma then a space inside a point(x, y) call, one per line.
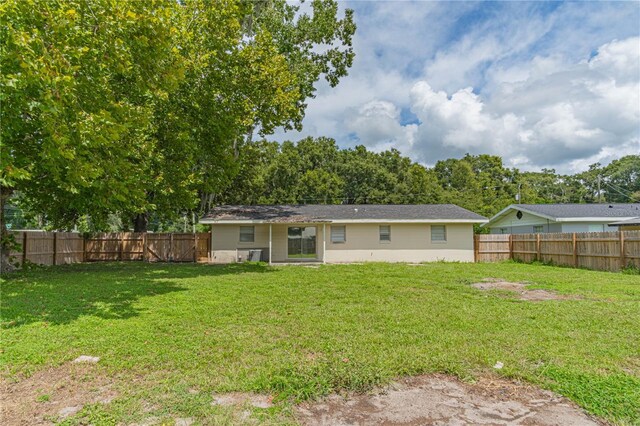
point(442, 400)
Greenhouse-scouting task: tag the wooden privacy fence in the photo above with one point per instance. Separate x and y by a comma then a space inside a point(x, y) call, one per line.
point(57, 248)
point(604, 251)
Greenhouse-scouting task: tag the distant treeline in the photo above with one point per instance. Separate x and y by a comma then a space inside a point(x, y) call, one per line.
point(317, 171)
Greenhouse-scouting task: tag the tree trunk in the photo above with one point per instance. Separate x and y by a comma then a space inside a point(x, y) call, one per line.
point(6, 240)
point(140, 222)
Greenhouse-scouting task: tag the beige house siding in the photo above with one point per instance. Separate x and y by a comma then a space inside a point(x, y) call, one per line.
point(226, 245)
point(511, 220)
point(410, 242)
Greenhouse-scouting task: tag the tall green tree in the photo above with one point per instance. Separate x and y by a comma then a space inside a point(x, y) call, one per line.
point(622, 180)
point(250, 68)
point(229, 83)
point(75, 83)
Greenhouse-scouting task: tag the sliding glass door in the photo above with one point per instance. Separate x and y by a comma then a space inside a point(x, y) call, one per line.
point(301, 242)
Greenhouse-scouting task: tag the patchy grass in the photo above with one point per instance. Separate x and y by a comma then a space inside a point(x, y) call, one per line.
point(171, 336)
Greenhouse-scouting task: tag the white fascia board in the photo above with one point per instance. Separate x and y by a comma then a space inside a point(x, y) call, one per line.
point(230, 222)
point(347, 221)
point(338, 221)
point(593, 219)
point(257, 222)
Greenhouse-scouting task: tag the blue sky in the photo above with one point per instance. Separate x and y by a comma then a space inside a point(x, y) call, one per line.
point(543, 84)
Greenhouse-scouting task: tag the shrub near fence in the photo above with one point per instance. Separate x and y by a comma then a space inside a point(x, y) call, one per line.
point(57, 248)
point(604, 251)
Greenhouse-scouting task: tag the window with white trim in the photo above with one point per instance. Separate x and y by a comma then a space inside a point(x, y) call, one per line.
point(538, 229)
point(338, 234)
point(247, 234)
point(385, 233)
point(438, 233)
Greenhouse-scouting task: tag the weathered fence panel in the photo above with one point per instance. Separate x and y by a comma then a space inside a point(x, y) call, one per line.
point(69, 248)
point(524, 247)
point(604, 251)
point(599, 250)
point(184, 248)
point(203, 246)
point(631, 248)
point(57, 248)
point(492, 247)
point(159, 247)
point(112, 246)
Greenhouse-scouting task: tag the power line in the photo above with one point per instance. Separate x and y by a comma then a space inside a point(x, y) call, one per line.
point(621, 193)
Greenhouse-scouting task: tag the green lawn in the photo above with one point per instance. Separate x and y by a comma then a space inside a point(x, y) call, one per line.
point(300, 332)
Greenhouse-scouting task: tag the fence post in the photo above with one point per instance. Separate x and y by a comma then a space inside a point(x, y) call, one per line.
point(538, 254)
point(195, 248)
point(24, 247)
point(575, 250)
point(510, 246)
point(84, 248)
point(623, 260)
point(120, 242)
point(170, 254)
point(144, 247)
point(55, 246)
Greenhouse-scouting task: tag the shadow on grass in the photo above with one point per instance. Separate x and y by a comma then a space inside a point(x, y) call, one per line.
point(62, 294)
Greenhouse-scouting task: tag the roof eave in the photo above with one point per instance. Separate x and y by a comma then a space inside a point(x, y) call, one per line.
point(593, 219)
point(206, 221)
point(504, 211)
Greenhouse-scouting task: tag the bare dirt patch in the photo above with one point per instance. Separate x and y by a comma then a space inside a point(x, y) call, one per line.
point(521, 289)
point(443, 400)
point(53, 394)
point(243, 398)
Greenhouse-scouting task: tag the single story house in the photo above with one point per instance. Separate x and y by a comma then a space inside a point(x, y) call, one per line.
point(542, 218)
point(342, 233)
point(627, 225)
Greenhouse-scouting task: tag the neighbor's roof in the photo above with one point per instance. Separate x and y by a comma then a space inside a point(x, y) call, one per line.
point(343, 213)
point(634, 221)
point(574, 212)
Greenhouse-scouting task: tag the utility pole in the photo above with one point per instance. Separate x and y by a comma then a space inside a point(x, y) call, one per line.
point(599, 191)
point(519, 195)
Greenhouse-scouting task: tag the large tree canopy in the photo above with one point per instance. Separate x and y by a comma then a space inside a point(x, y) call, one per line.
point(138, 108)
point(75, 87)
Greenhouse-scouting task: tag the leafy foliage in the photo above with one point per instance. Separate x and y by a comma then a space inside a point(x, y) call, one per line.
point(318, 171)
point(140, 108)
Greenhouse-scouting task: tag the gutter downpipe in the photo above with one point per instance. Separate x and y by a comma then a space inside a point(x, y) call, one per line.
point(270, 244)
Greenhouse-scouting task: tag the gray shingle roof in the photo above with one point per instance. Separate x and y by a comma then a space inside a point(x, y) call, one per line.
point(329, 212)
point(582, 210)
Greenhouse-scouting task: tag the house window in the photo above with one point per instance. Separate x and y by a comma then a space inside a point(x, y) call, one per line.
point(301, 242)
point(338, 234)
point(504, 231)
point(438, 233)
point(385, 233)
point(247, 234)
point(538, 229)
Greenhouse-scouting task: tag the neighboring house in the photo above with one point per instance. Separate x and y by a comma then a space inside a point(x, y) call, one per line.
point(538, 218)
point(627, 225)
point(342, 233)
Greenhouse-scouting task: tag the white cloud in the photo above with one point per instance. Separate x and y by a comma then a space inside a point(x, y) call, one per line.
point(377, 122)
point(541, 88)
point(557, 118)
